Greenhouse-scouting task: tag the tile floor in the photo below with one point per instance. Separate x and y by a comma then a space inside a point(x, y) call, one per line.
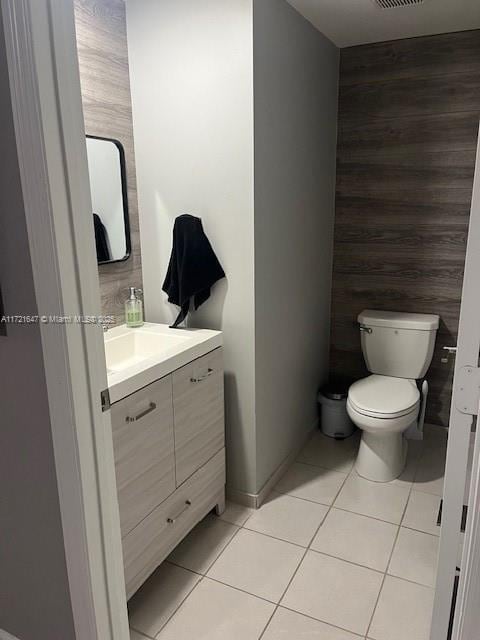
point(329, 556)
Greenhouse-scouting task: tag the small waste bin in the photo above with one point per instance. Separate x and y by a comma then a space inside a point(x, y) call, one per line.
point(334, 420)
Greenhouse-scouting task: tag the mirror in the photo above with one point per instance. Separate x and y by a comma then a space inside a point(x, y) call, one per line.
point(106, 168)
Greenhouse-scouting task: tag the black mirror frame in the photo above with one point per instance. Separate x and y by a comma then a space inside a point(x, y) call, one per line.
point(126, 216)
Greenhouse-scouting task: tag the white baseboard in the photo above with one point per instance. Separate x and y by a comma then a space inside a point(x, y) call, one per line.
point(255, 500)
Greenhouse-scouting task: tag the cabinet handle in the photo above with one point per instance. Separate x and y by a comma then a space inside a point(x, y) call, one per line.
point(204, 377)
point(173, 520)
point(151, 407)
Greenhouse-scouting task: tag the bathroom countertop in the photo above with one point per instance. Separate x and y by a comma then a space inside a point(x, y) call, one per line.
point(137, 357)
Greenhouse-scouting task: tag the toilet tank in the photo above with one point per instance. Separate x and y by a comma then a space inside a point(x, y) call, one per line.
point(398, 344)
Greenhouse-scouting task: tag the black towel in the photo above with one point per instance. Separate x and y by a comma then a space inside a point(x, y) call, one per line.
point(193, 266)
point(101, 240)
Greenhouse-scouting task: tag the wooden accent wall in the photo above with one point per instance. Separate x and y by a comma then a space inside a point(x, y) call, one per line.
point(107, 107)
point(408, 122)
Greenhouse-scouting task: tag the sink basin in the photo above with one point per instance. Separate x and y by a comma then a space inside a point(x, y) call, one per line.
point(138, 357)
point(131, 348)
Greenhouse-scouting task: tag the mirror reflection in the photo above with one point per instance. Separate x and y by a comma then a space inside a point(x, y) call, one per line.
point(106, 167)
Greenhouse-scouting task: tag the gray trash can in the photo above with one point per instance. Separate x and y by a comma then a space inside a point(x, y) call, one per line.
point(334, 420)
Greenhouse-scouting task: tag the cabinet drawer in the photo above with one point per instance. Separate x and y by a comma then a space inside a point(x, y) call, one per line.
point(198, 412)
point(154, 538)
point(143, 444)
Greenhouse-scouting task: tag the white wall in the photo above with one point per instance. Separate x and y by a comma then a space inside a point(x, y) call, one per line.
point(234, 109)
point(192, 93)
point(34, 590)
point(296, 89)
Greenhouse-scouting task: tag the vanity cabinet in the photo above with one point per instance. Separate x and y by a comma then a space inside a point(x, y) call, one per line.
point(169, 452)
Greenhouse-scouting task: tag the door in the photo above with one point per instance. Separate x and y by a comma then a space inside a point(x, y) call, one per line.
point(464, 406)
point(46, 107)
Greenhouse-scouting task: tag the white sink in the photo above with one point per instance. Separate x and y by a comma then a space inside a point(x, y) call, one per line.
point(137, 357)
point(133, 347)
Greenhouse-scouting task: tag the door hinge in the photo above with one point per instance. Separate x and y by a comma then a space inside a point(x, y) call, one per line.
point(467, 390)
point(105, 400)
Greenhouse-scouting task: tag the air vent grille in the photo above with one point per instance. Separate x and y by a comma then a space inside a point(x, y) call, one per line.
point(392, 4)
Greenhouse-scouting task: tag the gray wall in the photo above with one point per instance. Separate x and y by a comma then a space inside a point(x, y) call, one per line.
point(34, 591)
point(295, 89)
point(192, 87)
point(107, 110)
point(408, 127)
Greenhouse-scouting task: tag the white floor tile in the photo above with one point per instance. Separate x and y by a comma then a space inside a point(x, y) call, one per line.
point(258, 564)
point(159, 597)
point(330, 453)
point(288, 625)
point(334, 591)
point(415, 557)
point(134, 635)
point(431, 471)
point(403, 612)
point(236, 513)
point(356, 538)
point(311, 483)
point(381, 500)
point(214, 611)
point(291, 519)
point(422, 512)
point(203, 544)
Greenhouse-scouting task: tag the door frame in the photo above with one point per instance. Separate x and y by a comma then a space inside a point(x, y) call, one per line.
point(467, 612)
point(47, 111)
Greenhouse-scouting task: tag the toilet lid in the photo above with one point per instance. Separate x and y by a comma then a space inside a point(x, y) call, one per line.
point(382, 396)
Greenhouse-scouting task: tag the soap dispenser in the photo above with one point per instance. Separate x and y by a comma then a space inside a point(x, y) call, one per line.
point(134, 309)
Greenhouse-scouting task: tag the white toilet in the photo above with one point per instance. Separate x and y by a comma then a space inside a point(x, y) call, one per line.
point(398, 349)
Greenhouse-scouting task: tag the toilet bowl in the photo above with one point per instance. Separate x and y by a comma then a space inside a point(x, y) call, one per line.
point(398, 349)
point(383, 407)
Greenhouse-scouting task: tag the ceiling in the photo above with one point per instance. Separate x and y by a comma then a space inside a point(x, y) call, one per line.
point(351, 22)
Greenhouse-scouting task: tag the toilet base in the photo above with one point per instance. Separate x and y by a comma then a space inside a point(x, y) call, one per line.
point(381, 456)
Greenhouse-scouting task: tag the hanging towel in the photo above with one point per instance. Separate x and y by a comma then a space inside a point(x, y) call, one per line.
point(193, 266)
point(101, 239)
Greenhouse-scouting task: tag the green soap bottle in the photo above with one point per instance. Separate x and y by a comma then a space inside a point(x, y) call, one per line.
point(134, 309)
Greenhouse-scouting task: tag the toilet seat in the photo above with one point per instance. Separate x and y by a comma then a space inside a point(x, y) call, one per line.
point(384, 397)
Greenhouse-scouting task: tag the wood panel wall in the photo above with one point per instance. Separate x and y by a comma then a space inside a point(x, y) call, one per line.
point(407, 133)
point(107, 107)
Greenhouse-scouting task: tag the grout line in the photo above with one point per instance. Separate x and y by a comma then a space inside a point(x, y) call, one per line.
point(204, 576)
point(355, 564)
point(389, 560)
point(357, 513)
point(248, 593)
point(335, 626)
point(418, 584)
point(428, 533)
point(269, 535)
point(281, 493)
point(319, 466)
point(303, 557)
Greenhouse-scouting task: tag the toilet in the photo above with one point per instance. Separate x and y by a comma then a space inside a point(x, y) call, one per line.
point(398, 349)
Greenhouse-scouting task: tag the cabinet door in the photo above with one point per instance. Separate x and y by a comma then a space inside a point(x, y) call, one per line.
point(155, 537)
point(198, 413)
point(144, 451)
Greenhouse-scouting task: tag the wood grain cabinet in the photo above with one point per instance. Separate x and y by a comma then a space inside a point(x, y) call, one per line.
point(198, 413)
point(143, 446)
point(170, 462)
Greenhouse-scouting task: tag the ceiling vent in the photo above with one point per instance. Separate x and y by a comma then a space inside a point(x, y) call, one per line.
point(392, 4)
